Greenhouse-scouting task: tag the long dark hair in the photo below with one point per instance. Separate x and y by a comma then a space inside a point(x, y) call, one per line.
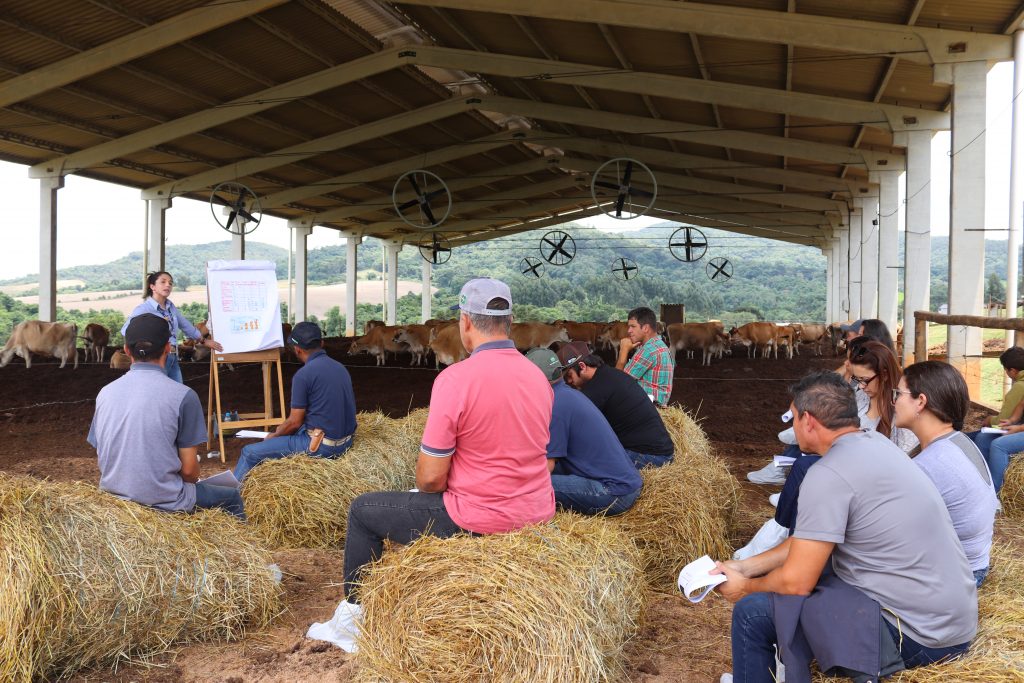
point(877, 330)
point(151, 280)
point(945, 388)
point(882, 362)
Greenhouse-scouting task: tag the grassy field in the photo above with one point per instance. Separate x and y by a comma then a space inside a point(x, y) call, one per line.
point(992, 374)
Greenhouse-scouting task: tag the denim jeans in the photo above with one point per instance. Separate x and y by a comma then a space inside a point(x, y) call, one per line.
point(999, 453)
point(642, 460)
point(589, 496)
point(281, 446)
point(223, 497)
point(979, 576)
point(172, 368)
point(914, 654)
point(396, 516)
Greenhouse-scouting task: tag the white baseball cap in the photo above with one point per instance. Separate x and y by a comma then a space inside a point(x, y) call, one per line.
point(477, 293)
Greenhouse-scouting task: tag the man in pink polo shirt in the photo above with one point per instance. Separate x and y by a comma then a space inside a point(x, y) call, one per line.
point(482, 466)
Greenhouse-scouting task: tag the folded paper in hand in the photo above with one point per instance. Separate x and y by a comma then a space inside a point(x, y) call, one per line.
point(695, 582)
point(783, 460)
point(225, 478)
point(993, 430)
point(251, 434)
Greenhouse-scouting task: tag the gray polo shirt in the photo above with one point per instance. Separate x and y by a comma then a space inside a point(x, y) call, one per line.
point(141, 421)
point(894, 538)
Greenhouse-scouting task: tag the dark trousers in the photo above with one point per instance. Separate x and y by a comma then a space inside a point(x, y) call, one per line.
point(396, 516)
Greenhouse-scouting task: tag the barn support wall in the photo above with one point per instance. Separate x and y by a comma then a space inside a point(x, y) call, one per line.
point(238, 242)
point(300, 235)
point(1016, 207)
point(157, 209)
point(917, 251)
point(845, 307)
point(888, 246)
point(426, 294)
point(855, 254)
point(869, 258)
point(352, 241)
point(836, 311)
point(48, 189)
point(391, 250)
point(829, 291)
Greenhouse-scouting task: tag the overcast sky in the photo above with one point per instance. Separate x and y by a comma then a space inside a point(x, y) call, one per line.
point(99, 222)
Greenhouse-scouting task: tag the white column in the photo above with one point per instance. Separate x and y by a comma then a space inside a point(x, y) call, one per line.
point(838, 255)
point(1016, 183)
point(888, 247)
point(856, 252)
point(300, 234)
point(351, 271)
point(391, 250)
point(967, 215)
point(829, 303)
point(157, 209)
point(845, 307)
point(426, 294)
point(238, 242)
point(48, 188)
point(869, 258)
point(917, 250)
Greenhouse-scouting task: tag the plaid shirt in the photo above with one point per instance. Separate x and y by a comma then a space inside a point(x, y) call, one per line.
point(652, 365)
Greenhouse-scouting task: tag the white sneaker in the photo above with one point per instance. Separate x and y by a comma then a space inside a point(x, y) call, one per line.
point(774, 499)
point(788, 436)
point(769, 474)
point(342, 629)
point(726, 678)
point(767, 537)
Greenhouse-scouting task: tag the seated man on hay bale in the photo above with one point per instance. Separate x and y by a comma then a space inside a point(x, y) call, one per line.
point(146, 428)
point(653, 365)
point(482, 466)
point(322, 419)
point(590, 471)
point(632, 416)
point(898, 575)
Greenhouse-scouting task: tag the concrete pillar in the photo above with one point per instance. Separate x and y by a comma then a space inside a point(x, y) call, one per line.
point(917, 271)
point(856, 251)
point(301, 233)
point(967, 217)
point(157, 221)
point(845, 307)
point(391, 250)
point(888, 276)
point(837, 294)
point(869, 258)
point(48, 188)
point(238, 242)
point(351, 271)
point(829, 303)
point(426, 294)
point(1016, 184)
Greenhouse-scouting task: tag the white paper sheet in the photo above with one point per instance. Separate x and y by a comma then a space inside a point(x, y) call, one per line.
point(225, 478)
point(694, 577)
point(993, 430)
point(783, 461)
point(251, 434)
point(245, 314)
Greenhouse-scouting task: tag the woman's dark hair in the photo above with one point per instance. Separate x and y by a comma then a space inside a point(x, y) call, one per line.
point(945, 388)
point(877, 330)
point(883, 364)
point(151, 280)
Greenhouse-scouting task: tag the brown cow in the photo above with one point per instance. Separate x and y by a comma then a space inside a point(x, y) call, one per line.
point(417, 339)
point(756, 337)
point(447, 346)
point(611, 335)
point(200, 352)
point(120, 360)
point(785, 334)
point(814, 334)
point(370, 324)
point(96, 339)
point(527, 336)
point(584, 332)
point(377, 342)
point(707, 337)
point(58, 340)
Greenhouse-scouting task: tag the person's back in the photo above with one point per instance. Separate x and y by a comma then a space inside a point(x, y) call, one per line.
point(629, 411)
point(326, 388)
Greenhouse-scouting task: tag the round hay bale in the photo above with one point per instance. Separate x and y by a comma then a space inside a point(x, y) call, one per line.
point(686, 508)
point(90, 579)
point(1012, 492)
point(547, 603)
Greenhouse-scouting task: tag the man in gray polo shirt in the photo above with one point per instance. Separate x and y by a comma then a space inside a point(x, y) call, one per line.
point(146, 428)
point(885, 527)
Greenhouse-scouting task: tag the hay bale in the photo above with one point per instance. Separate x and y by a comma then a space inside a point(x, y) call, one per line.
point(547, 603)
point(1012, 492)
point(87, 579)
point(687, 508)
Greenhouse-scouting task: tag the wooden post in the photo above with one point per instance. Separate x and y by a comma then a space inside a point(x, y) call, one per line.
point(247, 420)
point(920, 339)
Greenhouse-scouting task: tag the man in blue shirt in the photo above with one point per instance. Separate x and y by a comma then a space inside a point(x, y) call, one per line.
point(590, 471)
point(322, 401)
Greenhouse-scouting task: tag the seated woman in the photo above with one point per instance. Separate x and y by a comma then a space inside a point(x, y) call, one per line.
point(932, 401)
point(1009, 418)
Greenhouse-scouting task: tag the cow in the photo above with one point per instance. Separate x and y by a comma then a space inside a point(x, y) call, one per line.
point(417, 338)
point(528, 336)
point(611, 335)
point(584, 332)
point(707, 337)
point(785, 334)
point(377, 342)
point(814, 334)
point(755, 336)
point(120, 360)
point(96, 339)
point(370, 324)
point(447, 345)
point(200, 352)
point(58, 340)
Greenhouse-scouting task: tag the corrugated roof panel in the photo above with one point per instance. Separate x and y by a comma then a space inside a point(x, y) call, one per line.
point(86, 26)
point(988, 16)
point(25, 52)
point(657, 51)
point(912, 84)
point(822, 72)
point(887, 11)
point(746, 62)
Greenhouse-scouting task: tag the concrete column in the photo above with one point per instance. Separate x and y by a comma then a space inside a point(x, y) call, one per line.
point(967, 217)
point(157, 210)
point(843, 284)
point(869, 258)
point(300, 234)
point(1016, 184)
point(856, 252)
point(426, 311)
point(48, 188)
point(391, 250)
point(829, 303)
point(838, 257)
point(238, 242)
point(917, 273)
point(351, 271)
point(888, 276)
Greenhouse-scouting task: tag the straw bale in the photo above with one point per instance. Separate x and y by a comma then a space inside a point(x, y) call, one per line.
point(88, 579)
point(550, 603)
point(1012, 492)
point(687, 508)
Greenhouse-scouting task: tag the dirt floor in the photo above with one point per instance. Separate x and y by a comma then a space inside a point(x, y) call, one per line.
point(45, 414)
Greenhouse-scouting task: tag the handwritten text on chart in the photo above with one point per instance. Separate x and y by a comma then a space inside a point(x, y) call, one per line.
point(239, 296)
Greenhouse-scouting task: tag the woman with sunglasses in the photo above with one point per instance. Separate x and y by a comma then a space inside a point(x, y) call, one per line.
point(932, 401)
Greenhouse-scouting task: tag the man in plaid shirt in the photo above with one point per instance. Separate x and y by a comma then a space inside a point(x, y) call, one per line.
point(653, 364)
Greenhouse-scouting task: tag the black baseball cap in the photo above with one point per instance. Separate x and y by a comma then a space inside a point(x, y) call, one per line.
point(306, 335)
point(147, 335)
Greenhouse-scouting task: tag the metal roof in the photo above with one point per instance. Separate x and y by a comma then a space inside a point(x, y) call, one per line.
point(759, 116)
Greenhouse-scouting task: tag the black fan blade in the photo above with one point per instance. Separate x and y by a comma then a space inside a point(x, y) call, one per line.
point(430, 195)
point(415, 188)
point(619, 203)
point(231, 219)
point(428, 213)
point(628, 174)
point(247, 216)
point(410, 203)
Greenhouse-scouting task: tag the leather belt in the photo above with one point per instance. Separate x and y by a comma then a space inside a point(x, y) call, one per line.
point(333, 442)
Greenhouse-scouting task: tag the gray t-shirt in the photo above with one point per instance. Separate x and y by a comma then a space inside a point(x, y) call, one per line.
point(956, 467)
point(894, 538)
point(141, 421)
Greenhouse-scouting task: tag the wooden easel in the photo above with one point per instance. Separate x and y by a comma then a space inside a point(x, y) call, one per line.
point(246, 420)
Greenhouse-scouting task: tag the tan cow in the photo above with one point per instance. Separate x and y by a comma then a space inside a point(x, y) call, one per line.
point(447, 345)
point(417, 339)
point(707, 337)
point(814, 334)
point(756, 337)
point(120, 360)
point(96, 339)
point(377, 342)
point(785, 334)
point(611, 335)
point(199, 351)
point(58, 340)
point(527, 336)
point(584, 332)
point(370, 324)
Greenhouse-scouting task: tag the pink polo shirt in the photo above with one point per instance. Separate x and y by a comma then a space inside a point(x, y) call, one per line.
point(491, 413)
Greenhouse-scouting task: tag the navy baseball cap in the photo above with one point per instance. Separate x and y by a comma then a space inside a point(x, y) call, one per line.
point(306, 335)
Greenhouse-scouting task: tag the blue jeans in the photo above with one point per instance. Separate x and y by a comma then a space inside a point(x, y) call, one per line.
point(172, 368)
point(979, 576)
point(914, 654)
point(223, 497)
point(589, 496)
point(996, 449)
point(642, 460)
point(281, 446)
